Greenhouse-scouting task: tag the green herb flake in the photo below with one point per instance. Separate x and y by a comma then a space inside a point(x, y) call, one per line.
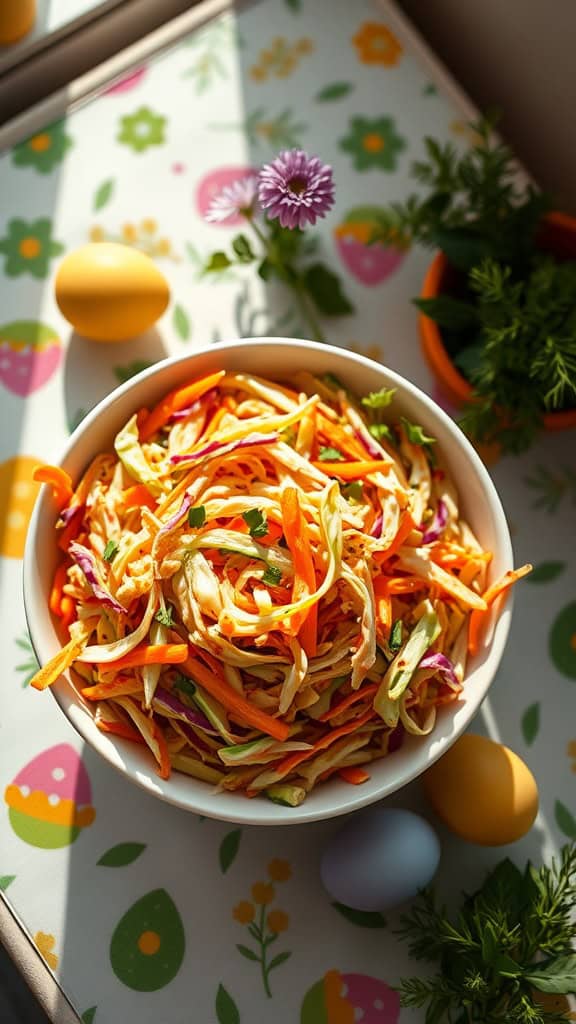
point(110, 551)
point(395, 642)
point(197, 516)
point(327, 454)
point(379, 399)
point(272, 576)
point(255, 520)
point(353, 491)
point(415, 434)
point(380, 431)
point(184, 684)
point(164, 616)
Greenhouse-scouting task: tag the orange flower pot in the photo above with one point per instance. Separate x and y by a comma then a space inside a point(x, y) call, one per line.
point(557, 235)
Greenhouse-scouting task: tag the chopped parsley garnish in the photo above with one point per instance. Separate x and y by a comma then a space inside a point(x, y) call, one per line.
point(395, 642)
point(110, 551)
point(330, 455)
point(164, 616)
point(272, 576)
point(255, 520)
point(197, 516)
point(379, 399)
point(415, 434)
point(184, 684)
point(380, 430)
point(353, 491)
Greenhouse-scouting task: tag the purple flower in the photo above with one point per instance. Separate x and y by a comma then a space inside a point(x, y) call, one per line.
point(236, 199)
point(296, 188)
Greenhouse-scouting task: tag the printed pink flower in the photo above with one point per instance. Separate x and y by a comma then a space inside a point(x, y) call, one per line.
point(235, 200)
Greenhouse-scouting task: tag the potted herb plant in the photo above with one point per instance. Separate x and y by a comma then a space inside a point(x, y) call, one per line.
point(498, 305)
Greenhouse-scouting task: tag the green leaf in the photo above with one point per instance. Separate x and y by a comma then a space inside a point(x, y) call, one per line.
point(229, 848)
point(469, 360)
point(462, 247)
point(415, 434)
point(243, 249)
point(379, 399)
point(103, 194)
point(353, 491)
point(186, 685)
point(328, 454)
point(325, 289)
point(281, 958)
point(218, 261)
point(363, 918)
point(334, 91)
point(110, 551)
point(121, 855)
point(124, 373)
point(531, 723)
point(489, 943)
point(6, 881)
point(164, 616)
point(380, 431)
point(506, 966)
point(265, 270)
point(565, 820)
point(89, 1015)
point(272, 576)
point(448, 312)
point(226, 1009)
point(248, 953)
point(181, 322)
point(546, 572)
point(395, 641)
point(255, 520)
point(197, 516)
point(556, 975)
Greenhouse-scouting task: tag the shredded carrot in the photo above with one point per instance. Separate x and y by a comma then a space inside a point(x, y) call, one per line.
point(58, 664)
point(347, 702)
point(152, 654)
point(69, 532)
point(271, 537)
point(217, 687)
point(177, 400)
point(405, 528)
point(405, 584)
point(55, 599)
point(293, 760)
point(354, 775)
point(135, 497)
point(122, 729)
point(339, 439)
point(215, 422)
point(494, 591)
point(59, 480)
point(67, 611)
point(383, 604)
point(353, 470)
point(121, 687)
point(296, 534)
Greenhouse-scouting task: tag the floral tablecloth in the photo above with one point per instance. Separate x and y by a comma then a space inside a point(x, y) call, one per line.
point(146, 913)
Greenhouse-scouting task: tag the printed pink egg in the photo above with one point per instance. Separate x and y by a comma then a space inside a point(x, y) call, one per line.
point(369, 264)
point(212, 184)
point(349, 998)
point(30, 353)
point(50, 799)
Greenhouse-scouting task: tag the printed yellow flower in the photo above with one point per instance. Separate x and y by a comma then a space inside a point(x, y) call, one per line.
point(164, 247)
point(129, 233)
point(262, 893)
point(304, 46)
point(243, 912)
point(149, 225)
point(45, 944)
point(376, 44)
point(258, 74)
point(96, 234)
point(279, 870)
point(277, 921)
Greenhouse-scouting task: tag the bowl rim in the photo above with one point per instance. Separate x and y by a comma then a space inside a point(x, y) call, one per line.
point(108, 747)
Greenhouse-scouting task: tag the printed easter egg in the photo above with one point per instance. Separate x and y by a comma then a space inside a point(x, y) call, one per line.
point(483, 792)
point(369, 264)
point(110, 292)
point(148, 943)
point(380, 858)
point(211, 185)
point(30, 352)
point(563, 641)
point(50, 799)
point(347, 998)
point(17, 496)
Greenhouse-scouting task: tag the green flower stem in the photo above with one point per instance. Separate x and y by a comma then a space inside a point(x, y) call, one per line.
point(264, 950)
point(295, 284)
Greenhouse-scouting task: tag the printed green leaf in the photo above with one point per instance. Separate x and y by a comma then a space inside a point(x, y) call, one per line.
point(565, 820)
point(103, 194)
point(363, 918)
point(88, 1015)
point(181, 322)
point(121, 855)
point(280, 959)
point(294, 5)
point(243, 249)
point(226, 1009)
point(546, 572)
point(6, 881)
point(248, 953)
point(557, 975)
point(218, 261)
point(334, 91)
point(325, 289)
point(531, 723)
point(124, 373)
point(229, 848)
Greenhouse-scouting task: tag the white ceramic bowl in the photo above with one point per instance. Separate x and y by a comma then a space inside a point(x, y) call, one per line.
point(277, 359)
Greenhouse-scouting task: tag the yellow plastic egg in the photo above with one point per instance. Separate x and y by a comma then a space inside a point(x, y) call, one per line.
point(110, 292)
point(483, 792)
